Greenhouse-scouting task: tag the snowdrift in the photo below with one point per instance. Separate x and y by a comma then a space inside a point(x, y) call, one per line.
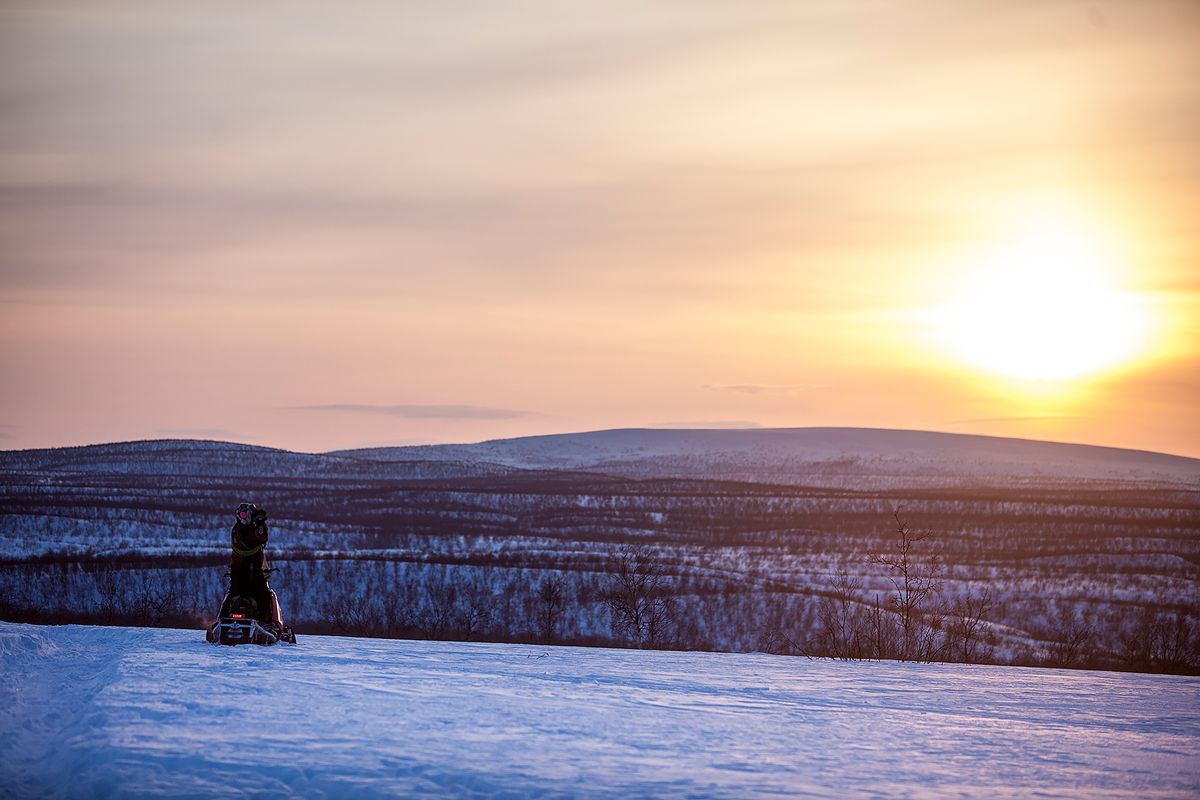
point(90, 712)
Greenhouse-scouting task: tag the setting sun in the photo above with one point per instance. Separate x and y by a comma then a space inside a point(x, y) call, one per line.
point(703, 399)
point(420, 225)
point(1047, 307)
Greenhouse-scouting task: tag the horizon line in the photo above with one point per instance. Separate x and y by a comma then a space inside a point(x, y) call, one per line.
point(336, 452)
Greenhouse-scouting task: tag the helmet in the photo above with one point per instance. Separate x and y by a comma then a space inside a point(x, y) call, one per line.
point(245, 513)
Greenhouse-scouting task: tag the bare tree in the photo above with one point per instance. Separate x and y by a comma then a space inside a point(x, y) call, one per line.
point(18, 602)
point(1161, 642)
point(150, 604)
point(1137, 643)
point(638, 596)
point(1070, 640)
point(353, 609)
point(395, 606)
point(932, 640)
point(1175, 644)
point(110, 590)
point(841, 632)
point(434, 618)
point(473, 611)
point(549, 606)
point(915, 581)
point(881, 632)
point(776, 642)
point(776, 636)
point(967, 625)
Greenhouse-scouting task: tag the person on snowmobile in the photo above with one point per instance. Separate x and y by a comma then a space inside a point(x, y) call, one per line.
point(248, 565)
point(248, 538)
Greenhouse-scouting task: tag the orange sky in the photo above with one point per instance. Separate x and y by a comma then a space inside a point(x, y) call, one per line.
point(422, 222)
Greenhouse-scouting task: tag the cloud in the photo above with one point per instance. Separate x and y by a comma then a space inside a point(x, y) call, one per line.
point(710, 423)
point(124, 230)
point(1173, 384)
point(437, 411)
point(373, 444)
point(1014, 419)
point(765, 388)
point(202, 433)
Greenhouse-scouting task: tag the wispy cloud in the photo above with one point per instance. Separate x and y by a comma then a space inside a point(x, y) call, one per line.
point(437, 411)
point(710, 423)
point(1014, 419)
point(415, 441)
point(679, 192)
point(765, 388)
point(203, 433)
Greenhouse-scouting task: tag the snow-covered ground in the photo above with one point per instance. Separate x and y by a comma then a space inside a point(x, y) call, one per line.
point(119, 712)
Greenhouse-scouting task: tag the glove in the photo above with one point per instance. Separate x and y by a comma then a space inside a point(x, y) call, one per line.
point(258, 517)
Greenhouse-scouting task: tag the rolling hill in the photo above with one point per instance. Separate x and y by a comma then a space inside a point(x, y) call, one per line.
point(804, 455)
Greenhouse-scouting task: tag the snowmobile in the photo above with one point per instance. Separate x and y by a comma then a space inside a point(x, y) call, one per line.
point(249, 615)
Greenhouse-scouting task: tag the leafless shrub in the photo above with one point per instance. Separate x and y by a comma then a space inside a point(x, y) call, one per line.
point(841, 632)
point(915, 579)
point(1161, 642)
point(152, 605)
point(776, 642)
point(639, 597)
point(1071, 638)
point(352, 608)
point(472, 612)
point(549, 606)
point(882, 633)
point(110, 590)
point(967, 618)
point(395, 608)
point(435, 617)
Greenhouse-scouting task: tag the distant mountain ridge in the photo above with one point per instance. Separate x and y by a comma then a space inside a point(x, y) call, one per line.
point(832, 456)
point(214, 459)
point(793, 454)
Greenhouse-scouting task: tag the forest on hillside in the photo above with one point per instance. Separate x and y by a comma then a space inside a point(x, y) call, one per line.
point(1085, 573)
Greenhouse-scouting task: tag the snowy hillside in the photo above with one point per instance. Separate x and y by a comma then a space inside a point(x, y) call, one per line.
point(216, 460)
point(851, 457)
point(786, 455)
point(463, 547)
point(89, 712)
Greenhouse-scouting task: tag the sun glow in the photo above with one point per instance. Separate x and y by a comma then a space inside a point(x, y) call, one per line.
point(1045, 307)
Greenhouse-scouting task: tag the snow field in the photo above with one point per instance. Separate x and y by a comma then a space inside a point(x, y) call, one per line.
point(93, 711)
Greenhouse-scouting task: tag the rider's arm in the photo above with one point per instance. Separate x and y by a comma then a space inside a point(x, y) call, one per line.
point(259, 533)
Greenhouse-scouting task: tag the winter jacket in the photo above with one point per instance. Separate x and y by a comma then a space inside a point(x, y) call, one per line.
point(247, 542)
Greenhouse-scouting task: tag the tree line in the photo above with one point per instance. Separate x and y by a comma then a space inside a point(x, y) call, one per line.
point(637, 595)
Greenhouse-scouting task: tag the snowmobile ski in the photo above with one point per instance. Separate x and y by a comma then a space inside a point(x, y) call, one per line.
point(237, 629)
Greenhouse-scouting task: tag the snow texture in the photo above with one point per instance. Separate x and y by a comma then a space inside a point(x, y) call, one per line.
point(119, 712)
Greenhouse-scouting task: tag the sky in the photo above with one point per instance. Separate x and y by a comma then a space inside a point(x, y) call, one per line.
point(408, 223)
